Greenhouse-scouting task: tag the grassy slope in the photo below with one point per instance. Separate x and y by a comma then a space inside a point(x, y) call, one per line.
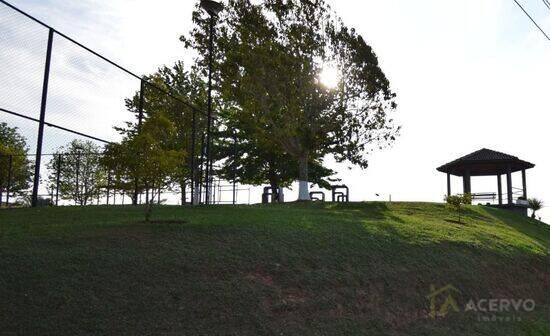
point(277, 270)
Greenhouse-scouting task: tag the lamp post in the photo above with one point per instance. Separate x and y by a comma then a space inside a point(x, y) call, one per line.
point(213, 8)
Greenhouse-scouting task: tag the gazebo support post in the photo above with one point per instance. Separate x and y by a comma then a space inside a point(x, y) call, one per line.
point(524, 180)
point(467, 181)
point(509, 185)
point(448, 184)
point(499, 182)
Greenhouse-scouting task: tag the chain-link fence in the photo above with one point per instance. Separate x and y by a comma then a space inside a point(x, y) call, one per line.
point(67, 100)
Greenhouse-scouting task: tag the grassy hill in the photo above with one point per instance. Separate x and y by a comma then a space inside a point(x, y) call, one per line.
point(356, 269)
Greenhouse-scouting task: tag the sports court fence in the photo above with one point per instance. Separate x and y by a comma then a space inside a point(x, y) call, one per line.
point(55, 90)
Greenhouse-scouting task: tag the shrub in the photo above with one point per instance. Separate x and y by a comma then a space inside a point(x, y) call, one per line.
point(535, 204)
point(456, 201)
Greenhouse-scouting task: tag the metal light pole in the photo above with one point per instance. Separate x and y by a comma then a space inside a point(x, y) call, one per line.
point(213, 8)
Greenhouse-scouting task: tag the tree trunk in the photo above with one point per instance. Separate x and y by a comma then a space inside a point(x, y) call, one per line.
point(196, 194)
point(303, 189)
point(1, 188)
point(274, 184)
point(134, 197)
point(274, 191)
point(183, 193)
point(148, 211)
point(195, 197)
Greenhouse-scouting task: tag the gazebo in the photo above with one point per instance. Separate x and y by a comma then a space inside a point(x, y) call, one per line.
point(486, 162)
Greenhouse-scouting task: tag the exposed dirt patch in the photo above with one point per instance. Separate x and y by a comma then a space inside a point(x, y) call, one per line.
point(263, 279)
point(166, 221)
point(454, 221)
point(294, 296)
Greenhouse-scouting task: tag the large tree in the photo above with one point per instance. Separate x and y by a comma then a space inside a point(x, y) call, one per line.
point(269, 60)
point(15, 168)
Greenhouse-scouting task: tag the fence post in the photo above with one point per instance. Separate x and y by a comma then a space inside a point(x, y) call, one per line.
point(213, 191)
point(1, 184)
point(140, 123)
point(8, 189)
point(193, 141)
point(141, 103)
point(108, 186)
point(36, 182)
point(201, 170)
point(219, 191)
point(58, 178)
point(78, 197)
point(235, 168)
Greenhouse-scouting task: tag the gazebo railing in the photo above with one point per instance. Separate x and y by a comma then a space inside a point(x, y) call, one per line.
point(484, 196)
point(492, 197)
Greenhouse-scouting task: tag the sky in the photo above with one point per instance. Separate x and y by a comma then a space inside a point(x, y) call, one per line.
point(469, 74)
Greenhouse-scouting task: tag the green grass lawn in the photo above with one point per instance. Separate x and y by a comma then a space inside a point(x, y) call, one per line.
point(356, 269)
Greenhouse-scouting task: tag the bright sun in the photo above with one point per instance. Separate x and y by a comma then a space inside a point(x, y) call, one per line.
point(329, 77)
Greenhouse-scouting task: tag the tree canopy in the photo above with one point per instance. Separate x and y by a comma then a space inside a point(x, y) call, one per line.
point(81, 176)
point(149, 161)
point(183, 108)
point(268, 62)
point(15, 168)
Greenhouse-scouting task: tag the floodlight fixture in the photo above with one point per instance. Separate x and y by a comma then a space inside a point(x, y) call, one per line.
point(212, 7)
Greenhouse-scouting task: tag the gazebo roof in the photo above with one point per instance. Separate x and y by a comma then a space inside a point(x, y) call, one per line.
point(485, 162)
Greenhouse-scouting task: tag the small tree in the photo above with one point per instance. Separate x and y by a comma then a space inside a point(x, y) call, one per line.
point(15, 168)
point(148, 160)
point(535, 204)
point(80, 173)
point(456, 201)
point(188, 86)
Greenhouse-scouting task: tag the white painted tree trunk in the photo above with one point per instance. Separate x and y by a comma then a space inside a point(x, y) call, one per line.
point(303, 191)
point(303, 188)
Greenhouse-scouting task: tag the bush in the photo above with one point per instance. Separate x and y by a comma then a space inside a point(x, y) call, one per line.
point(26, 201)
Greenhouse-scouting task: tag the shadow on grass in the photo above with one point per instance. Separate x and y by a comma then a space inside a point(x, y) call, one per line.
point(162, 221)
point(471, 213)
point(535, 230)
point(370, 211)
point(454, 221)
